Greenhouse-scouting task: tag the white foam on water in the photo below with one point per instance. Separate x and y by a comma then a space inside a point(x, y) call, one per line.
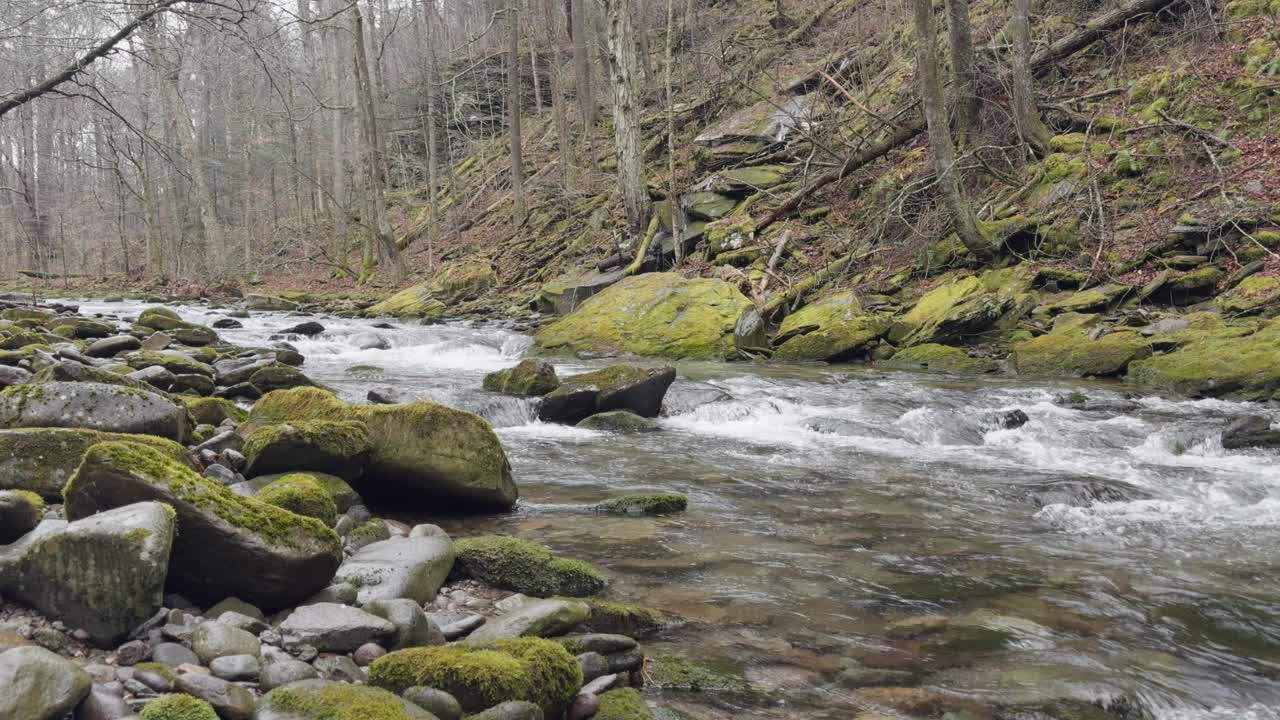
point(1253, 712)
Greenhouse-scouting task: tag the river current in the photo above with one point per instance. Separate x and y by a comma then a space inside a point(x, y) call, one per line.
point(1108, 553)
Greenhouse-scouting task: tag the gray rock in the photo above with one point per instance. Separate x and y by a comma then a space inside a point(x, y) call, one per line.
point(235, 604)
point(10, 376)
point(370, 341)
point(341, 593)
point(220, 474)
point(157, 341)
point(413, 568)
point(242, 622)
point(132, 653)
point(230, 701)
point(625, 661)
point(39, 685)
point(510, 710)
point(102, 704)
point(155, 376)
point(239, 370)
point(1251, 431)
point(310, 328)
point(412, 626)
point(437, 702)
point(386, 396)
point(593, 665)
point(427, 530)
point(454, 629)
point(603, 643)
point(333, 627)
point(367, 653)
point(235, 667)
point(618, 387)
point(540, 618)
point(214, 640)
point(104, 573)
point(583, 707)
point(619, 421)
point(173, 655)
point(224, 441)
point(282, 672)
point(339, 667)
point(602, 684)
point(95, 406)
point(18, 516)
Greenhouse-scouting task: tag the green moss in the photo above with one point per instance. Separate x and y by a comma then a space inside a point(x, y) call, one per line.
point(301, 494)
point(675, 672)
point(623, 704)
point(42, 459)
point(729, 233)
point(628, 619)
point(370, 531)
point(644, 504)
point(936, 358)
point(1223, 361)
point(1251, 295)
point(267, 521)
point(159, 318)
point(526, 567)
point(1252, 8)
point(1075, 354)
point(175, 364)
point(530, 378)
point(531, 669)
point(160, 669)
point(339, 447)
point(178, 707)
point(214, 411)
point(451, 284)
point(19, 339)
point(336, 701)
point(137, 535)
point(655, 314)
point(834, 328)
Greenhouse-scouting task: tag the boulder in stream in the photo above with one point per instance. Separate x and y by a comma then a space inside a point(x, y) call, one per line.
point(618, 387)
point(336, 447)
point(528, 379)
point(43, 459)
point(94, 406)
point(1250, 431)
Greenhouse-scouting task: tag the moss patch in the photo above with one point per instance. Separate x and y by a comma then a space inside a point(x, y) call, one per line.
point(178, 707)
point(337, 447)
point(213, 411)
point(937, 358)
point(1223, 361)
point(526, 567)
point(623, 704)
point(1073, 353)
point(644, 504)
point(627, 619)
point(335, 701)
point(833, 328)
point(301, 494)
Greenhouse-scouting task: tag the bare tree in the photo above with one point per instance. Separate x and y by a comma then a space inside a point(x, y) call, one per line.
point(513, 116)
point(380, 226)
point(964, 73)
point(673, 197)
point(623, 76)
point(582, 68)
point(1025, 115)
point(940, 142)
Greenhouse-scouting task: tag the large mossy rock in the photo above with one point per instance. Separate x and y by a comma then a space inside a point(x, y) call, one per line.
point(331, 700)
point(564, 294)
point(43, 459)
point(1074, 348)
point(1212, 358)
point(226, 544)
point(530, 378)
point(39, 685)
point(618, 387)
point(104, 573)
point(530, 669)
point(965, 307)
point(427, 449)
point(94, 406)
point(525, 567)
point(334, 447)
point(302, 494)
point(656, 314)
point(937, 358)
point(450, 285)
point(413, 568)
point(1253, 294)
point(832, 328)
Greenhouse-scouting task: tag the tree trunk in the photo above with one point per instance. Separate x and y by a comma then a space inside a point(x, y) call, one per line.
point(944, 151)
point(673, 197)
point(380, 225)
point(582, 69)
point(557, 97)
point(429, 126)
point(1025, 115)
point(964, 80)
point(513, 117)
point(623, 71)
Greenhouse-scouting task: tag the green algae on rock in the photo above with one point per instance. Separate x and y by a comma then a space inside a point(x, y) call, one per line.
point(655, 314)
point(432, 450)
point(1217, 360)
point(832, 328)
point(623, 704)
point(43, 459)
point(1252, 295)
point(526, 567)
point(178, 707)
point(331, 700)
point(336, 447)
point(226, 544)
point(530, 378)
point(302, 494)
point(1074, 353)
point(532, 669)
point(644, 504)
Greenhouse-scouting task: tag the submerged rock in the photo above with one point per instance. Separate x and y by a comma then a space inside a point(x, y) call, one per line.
point(619, 387)
point(655, 314)
point(94, 406)
point(104, 573)
point(619, 421)
point(644, 504)
point(1251, 431)
point(226, 544)
point(422, 450)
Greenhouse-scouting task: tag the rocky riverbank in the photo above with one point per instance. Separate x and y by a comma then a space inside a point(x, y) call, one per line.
point(184, 535)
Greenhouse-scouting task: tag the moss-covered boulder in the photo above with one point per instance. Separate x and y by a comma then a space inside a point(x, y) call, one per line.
point(1074, 353)
point(20, 512)
point(43, 459)
point(278, 377)
point(530, 378)
point(330, 700)
point(526, 567)
point(1086, 301)
point(623, 704)
point(644, 504)
point(964, 307)
point(213, 411)
point(534, 618)
point(619, 421)
point(427, 449)
point(335, 447)
point(450, 285)
point(40, 684)
point(94, 406)
point(338, 490)
point(937, 358)
point(302, 494)
point(832, 328)
point(226, 544)
point(629, 619)
point(530, 669)
point(1216, 359)
point(72, 371)
point(178, 706)
point(565, 293)
point(618, 387)
point(81, 328)
point(1254, 294)
point(174, 362)
point(104, 573)
point(656, 314)
point(159, 318)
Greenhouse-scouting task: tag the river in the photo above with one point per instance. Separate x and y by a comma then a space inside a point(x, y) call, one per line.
point(1112, 553)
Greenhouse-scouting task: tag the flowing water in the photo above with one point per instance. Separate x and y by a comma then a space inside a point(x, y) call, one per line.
point(1087, 554)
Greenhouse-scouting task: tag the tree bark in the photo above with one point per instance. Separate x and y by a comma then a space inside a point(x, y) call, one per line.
point(673, 197)
point(1025, 115)
point(623, 73)
point(380, 225)
point(940, 142)
point(964, 74)
point(557, 97)
point(582, 69)
point(513, 117)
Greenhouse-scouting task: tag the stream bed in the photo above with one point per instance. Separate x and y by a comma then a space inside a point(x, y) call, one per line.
point(1116, 553)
